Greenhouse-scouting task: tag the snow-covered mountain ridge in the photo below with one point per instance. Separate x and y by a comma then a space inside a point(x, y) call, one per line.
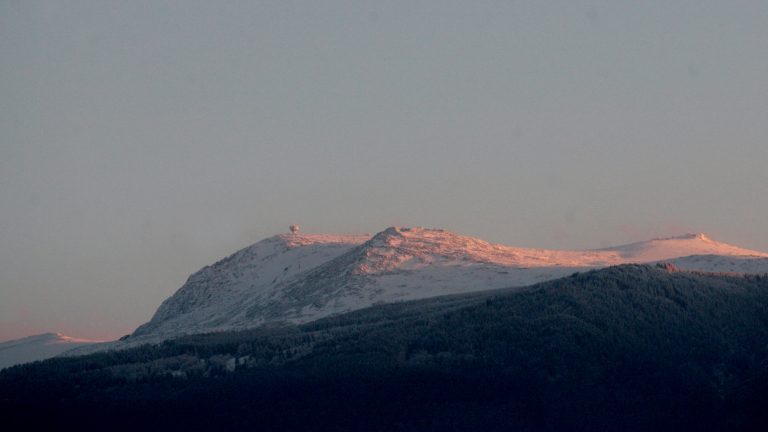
point(299, 278)
point(38, 347)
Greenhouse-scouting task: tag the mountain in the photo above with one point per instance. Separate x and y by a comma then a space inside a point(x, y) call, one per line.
point(629, 347)
point(300, 278)
point(39, 347)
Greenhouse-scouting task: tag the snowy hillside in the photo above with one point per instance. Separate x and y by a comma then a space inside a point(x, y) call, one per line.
point(39, 347)
point(299, 278)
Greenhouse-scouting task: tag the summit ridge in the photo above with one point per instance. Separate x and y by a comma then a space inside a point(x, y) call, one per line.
point(296, 278)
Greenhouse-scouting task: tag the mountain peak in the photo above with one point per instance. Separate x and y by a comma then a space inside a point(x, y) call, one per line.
point(687, 236)
point(297, 278)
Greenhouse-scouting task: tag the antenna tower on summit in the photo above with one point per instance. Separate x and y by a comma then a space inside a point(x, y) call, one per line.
point(293, 228)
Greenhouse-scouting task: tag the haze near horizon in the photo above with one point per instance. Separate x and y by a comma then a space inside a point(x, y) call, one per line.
point(142, 141)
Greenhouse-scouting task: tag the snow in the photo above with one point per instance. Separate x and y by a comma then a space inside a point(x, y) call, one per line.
point(299, 278)
point(39, 347)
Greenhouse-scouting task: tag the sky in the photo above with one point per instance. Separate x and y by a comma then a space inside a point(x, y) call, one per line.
point(143, 140)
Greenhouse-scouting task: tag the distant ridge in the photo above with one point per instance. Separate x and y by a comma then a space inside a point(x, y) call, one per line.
point(298, 278)
point(675, 247)
point(38, 347)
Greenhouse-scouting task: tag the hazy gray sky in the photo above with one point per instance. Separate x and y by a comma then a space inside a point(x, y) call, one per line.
point(141, 141)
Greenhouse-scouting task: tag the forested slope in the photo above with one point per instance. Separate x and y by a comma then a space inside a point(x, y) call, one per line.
point(631, 347)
